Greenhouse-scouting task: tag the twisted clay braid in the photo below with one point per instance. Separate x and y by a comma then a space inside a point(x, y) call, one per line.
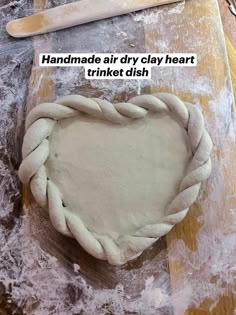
point(40, 123)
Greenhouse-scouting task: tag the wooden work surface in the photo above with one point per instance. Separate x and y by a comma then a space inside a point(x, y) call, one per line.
point(229, 26)
point(191, 271)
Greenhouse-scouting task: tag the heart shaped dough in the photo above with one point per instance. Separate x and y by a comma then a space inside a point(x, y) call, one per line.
point(115, 177)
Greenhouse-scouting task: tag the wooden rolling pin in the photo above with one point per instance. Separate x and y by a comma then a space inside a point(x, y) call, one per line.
point(76, 13)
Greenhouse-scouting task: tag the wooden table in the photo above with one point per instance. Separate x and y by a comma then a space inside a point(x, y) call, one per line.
point(188, 272)
point(229, 25)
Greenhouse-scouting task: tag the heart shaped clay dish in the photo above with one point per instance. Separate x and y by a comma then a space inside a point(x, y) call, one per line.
point(116, 177)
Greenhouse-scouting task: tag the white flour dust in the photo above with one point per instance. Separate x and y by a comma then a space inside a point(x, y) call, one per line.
point(36, 281)
point(147, 17)
point(210, 270)
point(39, 282)
point(153, 16)
point(224, 115)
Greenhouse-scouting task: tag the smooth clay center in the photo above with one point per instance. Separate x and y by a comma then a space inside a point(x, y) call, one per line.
point(118, 178)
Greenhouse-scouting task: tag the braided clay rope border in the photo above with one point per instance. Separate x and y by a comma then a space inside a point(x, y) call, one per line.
point(40, 123)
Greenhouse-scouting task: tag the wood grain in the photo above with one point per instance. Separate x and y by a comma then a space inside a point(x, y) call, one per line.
point(100, 274)
point(193, 261)
point(75, 14)
point(229, 25)
point(181, 274)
